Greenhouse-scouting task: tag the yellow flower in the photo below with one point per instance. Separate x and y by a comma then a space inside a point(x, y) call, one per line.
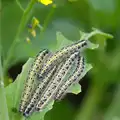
point(35, 22)
point(45, 2)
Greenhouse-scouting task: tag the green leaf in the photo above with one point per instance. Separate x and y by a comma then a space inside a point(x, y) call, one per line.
point(62, 41)
point(100, 38)
point(40, 115)
point(13, 95)
point(14, 90)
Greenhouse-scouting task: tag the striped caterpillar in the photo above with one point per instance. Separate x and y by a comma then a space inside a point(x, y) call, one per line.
point(32, 76)
point(49, 93)
point(40, 88)
point(51, 69)
point(72, 79)
point(63, 54)
point(35, 98)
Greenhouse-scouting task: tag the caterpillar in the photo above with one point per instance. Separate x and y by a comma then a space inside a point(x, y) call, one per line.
point(37, 94)
point(32, 76)
point(49, 93)
point(72, 80)
point(34, 99)
point(62, 54)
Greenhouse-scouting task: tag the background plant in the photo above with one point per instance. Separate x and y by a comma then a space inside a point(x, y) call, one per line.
point(102, 97)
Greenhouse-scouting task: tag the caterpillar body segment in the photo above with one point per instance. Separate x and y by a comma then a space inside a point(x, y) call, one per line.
point(63, 54)
point(53, 87)
point(72, 80)
point(30, 81)
point(37, 93)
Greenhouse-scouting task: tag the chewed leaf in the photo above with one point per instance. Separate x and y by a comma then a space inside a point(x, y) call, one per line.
point(100, 38)
point(76, 88)
point(95, 31)
point(14, 91)
point(62, 41)
point(102, 33)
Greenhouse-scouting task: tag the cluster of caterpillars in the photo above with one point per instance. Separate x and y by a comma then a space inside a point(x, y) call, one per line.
point(50, 69)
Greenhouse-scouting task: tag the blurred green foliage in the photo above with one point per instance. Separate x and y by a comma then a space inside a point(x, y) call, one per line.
point(69, 17)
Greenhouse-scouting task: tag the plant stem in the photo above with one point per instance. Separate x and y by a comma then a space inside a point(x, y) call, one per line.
point(19, 4)
point(47, 21)
point(113, 111)
point(95, 32)
point(20, 29)
point(3, 104)
point(88, 108)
